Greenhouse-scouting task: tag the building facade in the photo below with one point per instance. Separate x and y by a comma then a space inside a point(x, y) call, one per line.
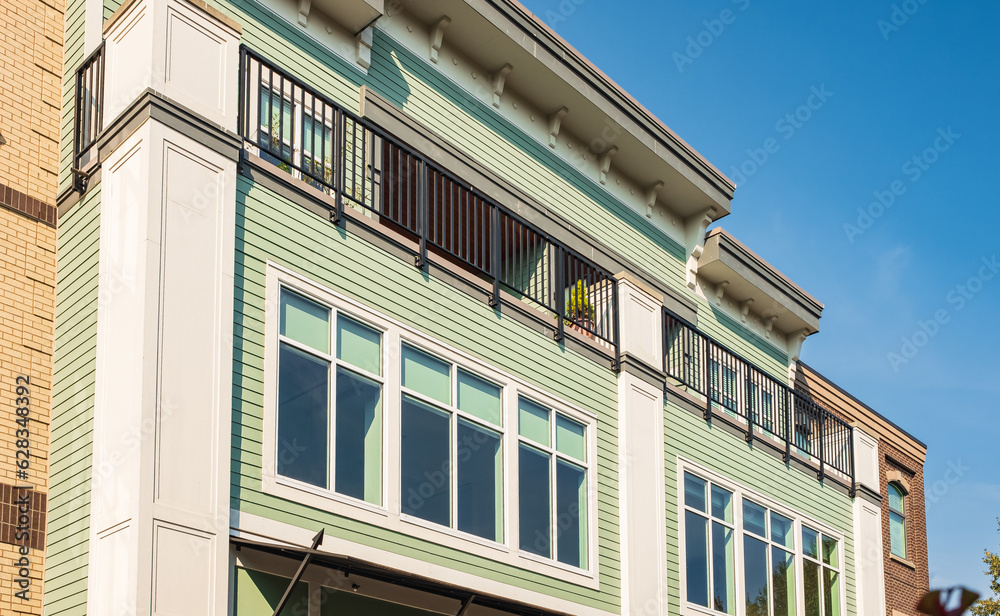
point(30, 92)
point(901, 555)
point(410, 305)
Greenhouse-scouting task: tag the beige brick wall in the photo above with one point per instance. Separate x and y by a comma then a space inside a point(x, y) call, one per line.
point(31, 42)
point(27, 307)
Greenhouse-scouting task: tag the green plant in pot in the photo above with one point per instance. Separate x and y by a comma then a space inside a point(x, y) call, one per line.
point(578, 307)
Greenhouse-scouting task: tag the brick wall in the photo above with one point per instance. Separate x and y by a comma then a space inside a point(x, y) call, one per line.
point(905, 582)
point(31, 41)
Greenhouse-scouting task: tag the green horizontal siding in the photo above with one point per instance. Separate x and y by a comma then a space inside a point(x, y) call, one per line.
point(271, 228)
point(75, 360)
point(714, 448)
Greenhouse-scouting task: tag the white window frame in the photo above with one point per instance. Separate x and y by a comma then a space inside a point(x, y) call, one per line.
point(741, 492)
point(389, 515)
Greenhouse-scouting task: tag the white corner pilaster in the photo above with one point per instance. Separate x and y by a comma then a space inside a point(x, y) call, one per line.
point(640, 442)
point(868, 562)
point(159, 524)
point(176, 49)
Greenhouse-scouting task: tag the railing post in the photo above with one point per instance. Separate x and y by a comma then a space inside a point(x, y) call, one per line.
point(495, 254)
point(616, 362)
point(557, 291)
point(822, 454)
point(340, 161)
point(422, 212)
point(788, 424)
point(703, 341)
point(850, 451)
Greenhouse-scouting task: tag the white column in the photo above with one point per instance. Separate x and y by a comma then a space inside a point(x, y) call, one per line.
point(160, 474)
point(869, 568)
point(640, 458)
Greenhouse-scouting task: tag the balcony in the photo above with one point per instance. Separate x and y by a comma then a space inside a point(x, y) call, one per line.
point(89, 116)
point(764, 408)
point(393, 187)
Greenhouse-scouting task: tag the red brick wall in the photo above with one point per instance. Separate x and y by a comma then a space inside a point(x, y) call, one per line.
point(905, 582)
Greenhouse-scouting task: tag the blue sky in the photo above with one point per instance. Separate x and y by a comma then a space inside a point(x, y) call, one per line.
point(910, 325)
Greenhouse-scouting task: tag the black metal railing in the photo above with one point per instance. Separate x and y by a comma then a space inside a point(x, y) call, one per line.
point(361, 166)
point(768, 407)
point(89, 113)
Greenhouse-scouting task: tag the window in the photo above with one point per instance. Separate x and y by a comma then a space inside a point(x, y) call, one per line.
point(552, 476)
point(329, 393)
point(897, 520)
point(451, 449)
point(766, 556)
point(371, 420)
point(709, 538)
point(820, 570)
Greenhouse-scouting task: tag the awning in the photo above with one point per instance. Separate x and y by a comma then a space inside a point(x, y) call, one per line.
point(363, 568)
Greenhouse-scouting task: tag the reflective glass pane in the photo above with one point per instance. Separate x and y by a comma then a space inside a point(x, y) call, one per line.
point(782, 531)
point(303, 388)
point(830, 551)
point(810, 542)
point(480, 492)
point(783, 582)
point(895, 499)
point(425, 451)
point(694, 492)
point(754, 518)
point(722, 504)
point(534, 513)
point(533, 421)
point(755, 576)
point(426, 374)
point(723, 569)
point(358, 467)
point(478, 397)
point(571, 514)
point(570, 438)
point(810, 572)
point(305, 321)
point(696, 557)
point(897, 535)
point(831, 592)
point(359, 345)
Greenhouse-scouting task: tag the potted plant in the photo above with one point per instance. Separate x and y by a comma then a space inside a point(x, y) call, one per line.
point(579, 311)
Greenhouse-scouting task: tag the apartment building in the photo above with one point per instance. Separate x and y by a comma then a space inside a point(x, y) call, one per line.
point(408, 309)
point(900, 558)
point(31, 34)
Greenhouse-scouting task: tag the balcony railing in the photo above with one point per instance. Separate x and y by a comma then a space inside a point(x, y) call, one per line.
point(89, 114)
point(304, 133)
point(763, 405)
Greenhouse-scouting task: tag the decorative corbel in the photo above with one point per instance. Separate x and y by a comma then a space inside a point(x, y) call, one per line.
point(720, 290)
point(769, 324)
point(651, 197)
point(745, 309)
point(437, 37)
point(363, 48)
point(304, 8)
point(696, 227)
point(498, 79)
point(606, 162)
point(555, 122)
point(795, 343)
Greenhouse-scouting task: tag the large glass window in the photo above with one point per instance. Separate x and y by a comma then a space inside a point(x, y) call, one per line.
point(552, 477)
point(709, 539)
point(451, 449)
point(897, 520)
point(329, 392)
point(765, 558)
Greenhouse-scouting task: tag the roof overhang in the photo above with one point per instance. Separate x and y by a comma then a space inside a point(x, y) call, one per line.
point(552, 75)
point(353, 15)
point(748, 277)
